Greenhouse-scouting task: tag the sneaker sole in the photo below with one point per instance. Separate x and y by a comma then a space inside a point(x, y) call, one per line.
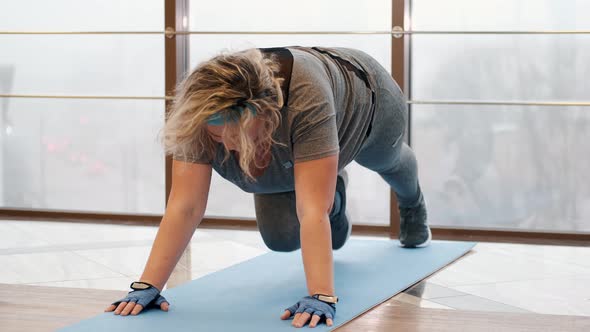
point(349, 226)
point(421, 245)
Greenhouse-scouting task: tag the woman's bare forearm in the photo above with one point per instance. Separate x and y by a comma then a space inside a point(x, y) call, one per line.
point(174, 234)
point(316, 249)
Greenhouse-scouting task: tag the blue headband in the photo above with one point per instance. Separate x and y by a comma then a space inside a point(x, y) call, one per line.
point(236, 111)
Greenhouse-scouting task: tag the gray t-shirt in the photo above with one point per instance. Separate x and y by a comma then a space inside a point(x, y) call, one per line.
point(328, 112)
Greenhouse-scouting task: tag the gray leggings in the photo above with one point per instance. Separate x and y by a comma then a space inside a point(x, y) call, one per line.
point(384, 152)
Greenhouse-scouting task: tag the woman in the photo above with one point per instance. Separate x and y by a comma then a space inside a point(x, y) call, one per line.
point(283, 123)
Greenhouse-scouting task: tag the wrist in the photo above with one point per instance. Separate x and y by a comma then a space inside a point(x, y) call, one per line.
point(153, 283)
point(322, 291)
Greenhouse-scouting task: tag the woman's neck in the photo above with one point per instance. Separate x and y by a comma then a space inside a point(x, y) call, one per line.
point(262, 158)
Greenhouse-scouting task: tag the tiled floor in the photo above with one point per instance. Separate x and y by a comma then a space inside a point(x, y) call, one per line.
point(493, 277)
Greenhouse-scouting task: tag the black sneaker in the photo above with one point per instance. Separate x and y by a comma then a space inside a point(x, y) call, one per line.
point(414, 231)
point(340, 222)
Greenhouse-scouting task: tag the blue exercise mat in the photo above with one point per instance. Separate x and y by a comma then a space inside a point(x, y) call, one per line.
point(252, 295)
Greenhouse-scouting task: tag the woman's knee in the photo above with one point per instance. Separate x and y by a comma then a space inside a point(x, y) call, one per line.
point(277, 221)
point(277, 236)
point(282, 244)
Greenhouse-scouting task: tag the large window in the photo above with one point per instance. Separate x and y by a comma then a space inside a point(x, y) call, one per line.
point(504, 160)
point(502, 166)
point(91, 155)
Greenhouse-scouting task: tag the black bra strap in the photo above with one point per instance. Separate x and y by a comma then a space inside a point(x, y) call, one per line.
point(286, 67)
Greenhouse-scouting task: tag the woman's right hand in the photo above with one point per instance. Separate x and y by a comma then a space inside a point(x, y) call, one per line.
point(137, 300)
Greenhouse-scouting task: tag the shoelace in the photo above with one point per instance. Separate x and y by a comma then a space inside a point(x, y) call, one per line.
point(409, 216)
point(408, 213)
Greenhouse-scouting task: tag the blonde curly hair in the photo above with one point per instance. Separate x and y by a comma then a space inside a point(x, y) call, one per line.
point(214, 87)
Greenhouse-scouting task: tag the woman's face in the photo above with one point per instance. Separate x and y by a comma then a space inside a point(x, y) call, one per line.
point(216, 133)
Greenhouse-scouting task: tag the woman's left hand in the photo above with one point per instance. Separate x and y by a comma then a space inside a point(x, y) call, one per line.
point(309, 307)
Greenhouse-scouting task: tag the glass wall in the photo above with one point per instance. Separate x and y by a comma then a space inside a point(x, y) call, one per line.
point(368, 194)
point(89, 155)
point(508, 167)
